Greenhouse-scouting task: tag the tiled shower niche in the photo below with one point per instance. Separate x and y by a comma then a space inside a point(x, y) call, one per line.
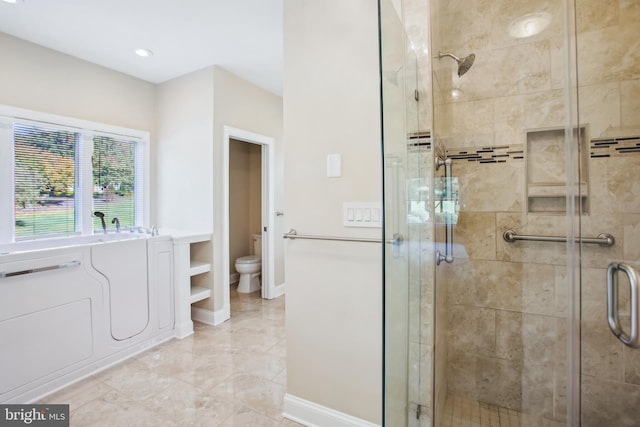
point(546, 171)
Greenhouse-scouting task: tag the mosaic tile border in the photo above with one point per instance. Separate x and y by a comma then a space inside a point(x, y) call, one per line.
point(599, 148)
point(614, 147)
point(420, 140)
point(494, 154)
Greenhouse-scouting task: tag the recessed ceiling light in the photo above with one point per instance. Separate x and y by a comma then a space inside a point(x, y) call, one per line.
point(13, 1)
point(145, 53)
point(530, 25)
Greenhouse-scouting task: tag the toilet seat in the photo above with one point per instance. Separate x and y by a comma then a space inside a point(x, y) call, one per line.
point(249, 259)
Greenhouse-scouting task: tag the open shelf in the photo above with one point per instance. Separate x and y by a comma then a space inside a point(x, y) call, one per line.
point(193, 262)
point(198, 294)
point(198, 267)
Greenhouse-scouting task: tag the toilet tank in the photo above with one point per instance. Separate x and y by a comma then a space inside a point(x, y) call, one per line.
point(257, 244)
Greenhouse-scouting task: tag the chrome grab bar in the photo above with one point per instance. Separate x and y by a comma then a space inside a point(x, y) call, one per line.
point(604, 239)
point(448, 246)
point(4, 274)
point(632, 339)
point(293, 234)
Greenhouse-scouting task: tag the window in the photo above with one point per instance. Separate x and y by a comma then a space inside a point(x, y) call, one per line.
point(55, 173)
point(44, 181)
point(114, 163)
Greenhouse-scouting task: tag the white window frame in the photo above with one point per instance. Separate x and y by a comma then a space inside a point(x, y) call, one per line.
point(84, 184)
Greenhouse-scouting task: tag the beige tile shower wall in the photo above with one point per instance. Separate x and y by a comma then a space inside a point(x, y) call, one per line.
point(610, 384)
point(609, 76)
point(510, 86)
point(608, 66)
point(506, 331)
point(504, 326)
point(507, 302)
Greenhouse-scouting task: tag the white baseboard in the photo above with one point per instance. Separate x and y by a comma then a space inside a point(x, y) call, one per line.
point(184, 329)
point(313, 415)
point(222, 315)
point(209, 317)
point(278, 291)
point(234, 278)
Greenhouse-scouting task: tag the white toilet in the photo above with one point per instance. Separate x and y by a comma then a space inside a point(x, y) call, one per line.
point(249, 268)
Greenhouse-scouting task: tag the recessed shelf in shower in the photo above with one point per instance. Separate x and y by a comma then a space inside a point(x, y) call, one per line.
point(547, 180)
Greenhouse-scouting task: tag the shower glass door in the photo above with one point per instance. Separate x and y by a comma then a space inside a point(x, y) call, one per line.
point(407, 194)
point(541, 127)
point(502, 110)
point(608, 76)
point(396, 267)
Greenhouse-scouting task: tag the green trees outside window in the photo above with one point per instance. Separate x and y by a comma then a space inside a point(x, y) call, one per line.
point(113, 168)
point(46, 179)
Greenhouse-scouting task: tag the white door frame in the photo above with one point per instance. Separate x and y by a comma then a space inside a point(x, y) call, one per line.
point(268, 203)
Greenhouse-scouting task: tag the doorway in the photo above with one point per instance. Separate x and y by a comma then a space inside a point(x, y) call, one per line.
point(245, 213)
point(267, 196)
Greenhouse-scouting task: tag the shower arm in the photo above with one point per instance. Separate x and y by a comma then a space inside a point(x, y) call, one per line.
point(450, 55)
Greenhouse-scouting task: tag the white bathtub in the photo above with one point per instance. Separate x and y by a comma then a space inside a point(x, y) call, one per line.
point(62, 242)
point(71, 307)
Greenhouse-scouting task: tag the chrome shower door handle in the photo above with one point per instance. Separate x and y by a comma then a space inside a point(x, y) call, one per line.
point(632, 339)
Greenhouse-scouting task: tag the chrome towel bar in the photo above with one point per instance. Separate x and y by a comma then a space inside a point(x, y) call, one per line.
point(74, 263)
point(293, 234)
point(604, 239)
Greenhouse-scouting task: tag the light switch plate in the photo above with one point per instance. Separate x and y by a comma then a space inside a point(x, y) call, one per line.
point(362, 214)
point(334, 165)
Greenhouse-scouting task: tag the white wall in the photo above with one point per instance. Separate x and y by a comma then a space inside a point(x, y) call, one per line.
point(184, 155)
point(242, 105)
point(40, 79)
point(192, 113)
point(334, 289)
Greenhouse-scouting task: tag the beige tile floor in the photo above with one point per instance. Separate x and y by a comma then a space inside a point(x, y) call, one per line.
point(461, 412)
point(230, 375)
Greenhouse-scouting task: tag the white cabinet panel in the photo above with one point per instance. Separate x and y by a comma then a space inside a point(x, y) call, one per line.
point(124, 266)
point(38, 344)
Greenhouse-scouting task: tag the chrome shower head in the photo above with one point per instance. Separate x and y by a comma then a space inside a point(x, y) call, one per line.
point(463, 63)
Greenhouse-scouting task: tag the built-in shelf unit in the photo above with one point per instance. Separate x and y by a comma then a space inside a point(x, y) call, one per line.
point(201, 282)
point(193, 255)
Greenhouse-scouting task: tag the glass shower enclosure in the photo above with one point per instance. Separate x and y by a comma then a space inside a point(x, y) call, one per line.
point(511, 142)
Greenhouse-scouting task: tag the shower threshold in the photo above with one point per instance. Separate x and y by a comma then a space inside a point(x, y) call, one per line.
point(461, 412)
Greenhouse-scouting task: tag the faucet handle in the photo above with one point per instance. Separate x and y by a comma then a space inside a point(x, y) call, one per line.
point(101, 216)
